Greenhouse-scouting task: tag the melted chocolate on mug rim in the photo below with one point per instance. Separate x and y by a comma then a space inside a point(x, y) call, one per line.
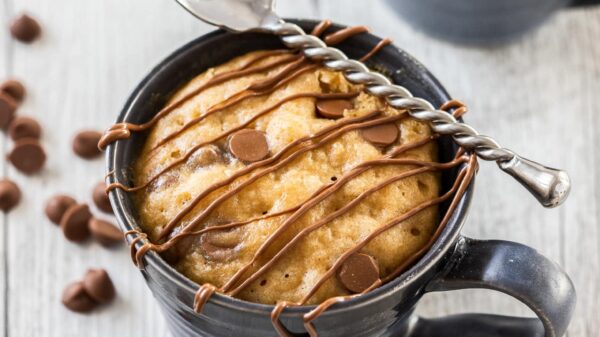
point(293, 65)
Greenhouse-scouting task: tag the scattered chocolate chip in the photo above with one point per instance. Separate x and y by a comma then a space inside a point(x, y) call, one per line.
point(101, 198)
point(14, 89)
point(99, 286)
point(85, 144)
point(56, 207)
point(249, 145)
point(8, 108)
point(10, 195)
point(75, 298)
point(74, 223)
point(382, 134)
point(105, 232)
point(27, 155)
point(415, 231)
point(24, 127)
point(25, 28)
point(358, 272)
point(333, 108)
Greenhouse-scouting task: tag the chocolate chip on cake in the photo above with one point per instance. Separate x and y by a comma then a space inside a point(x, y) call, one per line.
point(218, 245)
point(101, 198)
point(333, 108)
point(249, 145)
point(76, 298)
point(213, 252)
point(85, 144)
point(25, 28)
point(74, 223)
point(99, 286)
point(358, 272)
point(14, 89)
point(180, 248)
point(105, 232)
point(27, 155)
point(8, 108)
point(10, 195)
point(56, 207)
point(381, 135)
point(205, 156)
point(24, 127)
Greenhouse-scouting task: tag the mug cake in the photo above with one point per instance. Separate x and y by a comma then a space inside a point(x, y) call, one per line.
point(275, 180)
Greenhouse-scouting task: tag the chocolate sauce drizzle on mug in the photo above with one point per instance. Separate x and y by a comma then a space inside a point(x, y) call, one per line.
point(375, 127)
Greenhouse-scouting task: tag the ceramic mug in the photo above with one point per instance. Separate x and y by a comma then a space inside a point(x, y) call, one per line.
point(454, 262)
point(481, 22)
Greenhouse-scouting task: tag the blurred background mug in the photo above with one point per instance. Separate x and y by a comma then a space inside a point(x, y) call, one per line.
point(480, 22)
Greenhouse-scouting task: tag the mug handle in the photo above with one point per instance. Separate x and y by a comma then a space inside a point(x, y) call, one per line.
point(577, 3)
point(511, 268)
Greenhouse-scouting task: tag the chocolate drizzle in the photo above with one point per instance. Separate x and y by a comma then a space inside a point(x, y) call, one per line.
point(291, 65)
point(123, 130)
point(343, 34)
point(376, 49)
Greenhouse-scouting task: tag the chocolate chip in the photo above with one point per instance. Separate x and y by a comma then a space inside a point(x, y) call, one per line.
point(249, 145)
point(180, 249)
point(74, 223)
point(8, 108)
point(333, 108)
point(14, 89)
point(27, 155)
point(99, 286)
point(215, 253)
point(218, 245)
point(222, 238)
point(358, 272)
point(85, 144)
point(101, 198)
point(24, 127)
point(164, 181)
point(10, 195)
point(205, 156)
point(76, 298)
point(56, 207)
point(25, 29)
point(105, 232)
point(382, 134)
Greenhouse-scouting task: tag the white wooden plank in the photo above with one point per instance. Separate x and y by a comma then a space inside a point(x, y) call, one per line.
point(581, 215)
point(91, 56)
point(4, 72)
point(298, 9)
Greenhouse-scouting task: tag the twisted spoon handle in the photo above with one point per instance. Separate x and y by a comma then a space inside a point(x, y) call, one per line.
point(550, 186)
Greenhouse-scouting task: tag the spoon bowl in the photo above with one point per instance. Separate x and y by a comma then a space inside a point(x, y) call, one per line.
point(236, 15)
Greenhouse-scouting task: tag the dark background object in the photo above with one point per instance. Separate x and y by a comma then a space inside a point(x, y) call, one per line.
point(454, 262)
point(479, 22)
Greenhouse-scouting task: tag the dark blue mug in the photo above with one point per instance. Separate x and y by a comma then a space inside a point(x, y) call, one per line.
point(454, 262)
point(481, 22)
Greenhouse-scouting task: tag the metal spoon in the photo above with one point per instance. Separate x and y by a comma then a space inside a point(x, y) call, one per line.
point(550, 186)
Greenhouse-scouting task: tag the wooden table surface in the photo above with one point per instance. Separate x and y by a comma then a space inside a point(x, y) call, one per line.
point(537, 96)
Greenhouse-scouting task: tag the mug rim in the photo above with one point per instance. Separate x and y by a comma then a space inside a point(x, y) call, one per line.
point(448, 237)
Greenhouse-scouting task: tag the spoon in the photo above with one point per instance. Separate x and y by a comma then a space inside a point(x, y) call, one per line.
point(548, 185)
